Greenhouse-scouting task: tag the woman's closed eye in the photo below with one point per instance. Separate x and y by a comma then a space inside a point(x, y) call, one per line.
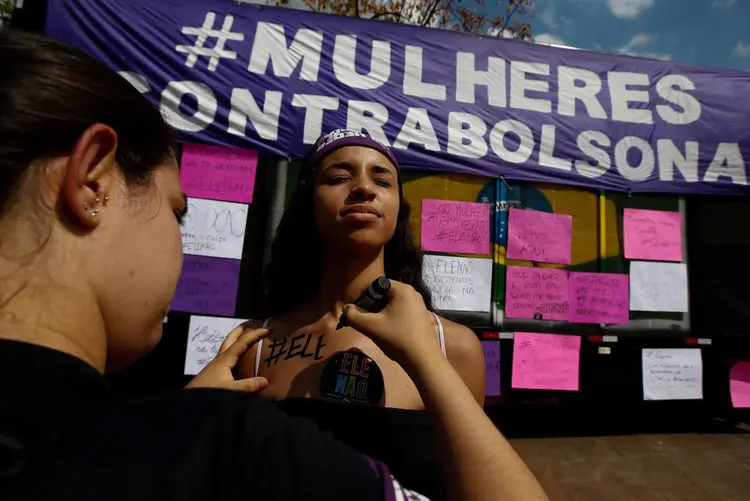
point(339, 179)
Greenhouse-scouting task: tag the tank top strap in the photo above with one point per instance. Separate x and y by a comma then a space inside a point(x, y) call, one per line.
point(259, 348)
point(441, 334)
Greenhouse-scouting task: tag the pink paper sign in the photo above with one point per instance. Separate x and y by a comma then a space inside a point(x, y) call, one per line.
point(542, 237)
point(218, 173)
point(739, 385)
point(545, 361)
point(534, 292)
point(653, 235)
point(599, 298)
point(455, 227)
point(492, 367)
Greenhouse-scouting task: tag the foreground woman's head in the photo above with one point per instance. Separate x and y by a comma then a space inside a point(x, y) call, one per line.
point(348, 205)
point(89, 201)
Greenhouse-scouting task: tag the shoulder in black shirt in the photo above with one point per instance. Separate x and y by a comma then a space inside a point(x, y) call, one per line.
point(64, 435)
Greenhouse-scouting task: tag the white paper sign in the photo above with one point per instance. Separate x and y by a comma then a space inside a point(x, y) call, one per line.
point(213, 228)
point(672, 374)
point(458, 283)
point(205, 336)
point(658, 286)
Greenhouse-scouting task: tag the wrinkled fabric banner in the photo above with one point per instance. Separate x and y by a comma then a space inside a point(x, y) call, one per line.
point(273, 79)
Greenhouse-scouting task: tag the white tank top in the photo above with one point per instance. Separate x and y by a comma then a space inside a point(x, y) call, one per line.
point(259, 348)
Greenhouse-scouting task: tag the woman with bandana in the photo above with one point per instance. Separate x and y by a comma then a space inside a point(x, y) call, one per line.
point(347, 224)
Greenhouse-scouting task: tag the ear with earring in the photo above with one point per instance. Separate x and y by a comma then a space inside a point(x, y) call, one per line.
point(94, 212)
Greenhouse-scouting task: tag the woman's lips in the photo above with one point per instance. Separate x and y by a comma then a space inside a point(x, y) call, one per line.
point(361, 213)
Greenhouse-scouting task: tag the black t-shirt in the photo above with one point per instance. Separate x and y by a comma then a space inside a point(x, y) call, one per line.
point(65, 435)
point(402, 439)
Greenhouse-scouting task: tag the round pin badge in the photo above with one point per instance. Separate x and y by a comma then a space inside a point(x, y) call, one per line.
point(352, 376)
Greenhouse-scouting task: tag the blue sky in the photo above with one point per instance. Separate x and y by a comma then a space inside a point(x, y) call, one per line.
point(703, 32)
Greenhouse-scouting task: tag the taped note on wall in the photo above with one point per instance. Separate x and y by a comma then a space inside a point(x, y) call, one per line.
point(739, 385)
point(540, 293)
point(599, 298)
point(546, 361)
point(542, 237)
point(658, 286)
point(492, 367)
point(455, 227)
point(218, 172)
point(215, 229)
point(672, 374)
point(207, 285)
point(205, 336)
point(654, 235)
point(458, 283)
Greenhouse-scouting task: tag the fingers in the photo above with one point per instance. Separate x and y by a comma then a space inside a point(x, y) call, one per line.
point(240, 346)
point(250, 385)
point(361, 320)
point(231, 338)
point(397, 289)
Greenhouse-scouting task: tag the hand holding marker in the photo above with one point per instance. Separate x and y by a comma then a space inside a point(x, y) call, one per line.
point(372, 299)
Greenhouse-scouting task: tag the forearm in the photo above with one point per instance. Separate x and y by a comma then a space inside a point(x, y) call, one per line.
point(479, 464)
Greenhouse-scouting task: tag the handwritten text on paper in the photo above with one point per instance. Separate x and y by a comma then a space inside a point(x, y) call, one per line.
point(599, 298)
point(215, 229)
point(207, 285)
point(653, 235)
point(658, 286)
point(492, 367)
point(530, 292)
point(541, 237)
point(218, 172)
point(672, 374)
point(545, 361)
point(458, 283)
point(457, 227)
point(205, 336)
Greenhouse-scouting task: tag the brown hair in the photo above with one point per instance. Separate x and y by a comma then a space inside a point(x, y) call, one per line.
point(50, 93)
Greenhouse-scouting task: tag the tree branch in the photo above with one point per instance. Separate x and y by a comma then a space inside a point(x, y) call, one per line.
point(510, 15)
point(431, 12)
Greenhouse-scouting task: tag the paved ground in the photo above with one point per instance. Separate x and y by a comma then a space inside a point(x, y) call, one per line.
point(674, 467)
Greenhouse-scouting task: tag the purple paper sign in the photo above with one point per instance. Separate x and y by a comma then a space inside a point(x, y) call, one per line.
point(207, 285)
point(492, 366)
point(458, 227)
point(542, 237)
point(599, 298)
point(218, 173)
point(269, 79)
point(540, 293)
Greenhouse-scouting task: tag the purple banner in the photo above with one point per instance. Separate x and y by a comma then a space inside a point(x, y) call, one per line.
point(273, 79)
point(207, 285)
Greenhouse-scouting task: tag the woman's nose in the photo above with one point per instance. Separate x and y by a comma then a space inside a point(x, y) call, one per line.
point(362, 188)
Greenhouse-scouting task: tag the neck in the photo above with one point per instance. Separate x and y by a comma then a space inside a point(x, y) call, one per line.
point(346, 277)
point(52, 314)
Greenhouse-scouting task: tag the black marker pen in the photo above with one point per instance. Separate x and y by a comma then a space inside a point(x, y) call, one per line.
point(371, 299)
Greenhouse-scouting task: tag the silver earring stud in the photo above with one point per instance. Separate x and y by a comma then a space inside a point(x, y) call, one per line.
point(97, 199)
point(85, 207)
point(106, 199)
point(94, 212)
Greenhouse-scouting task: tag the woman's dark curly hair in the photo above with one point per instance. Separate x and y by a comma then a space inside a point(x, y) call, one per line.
point(296, 256)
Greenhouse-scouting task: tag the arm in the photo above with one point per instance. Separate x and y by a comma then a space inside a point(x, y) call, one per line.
point(482, 465)
point(479, 464)
point(466, 355)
